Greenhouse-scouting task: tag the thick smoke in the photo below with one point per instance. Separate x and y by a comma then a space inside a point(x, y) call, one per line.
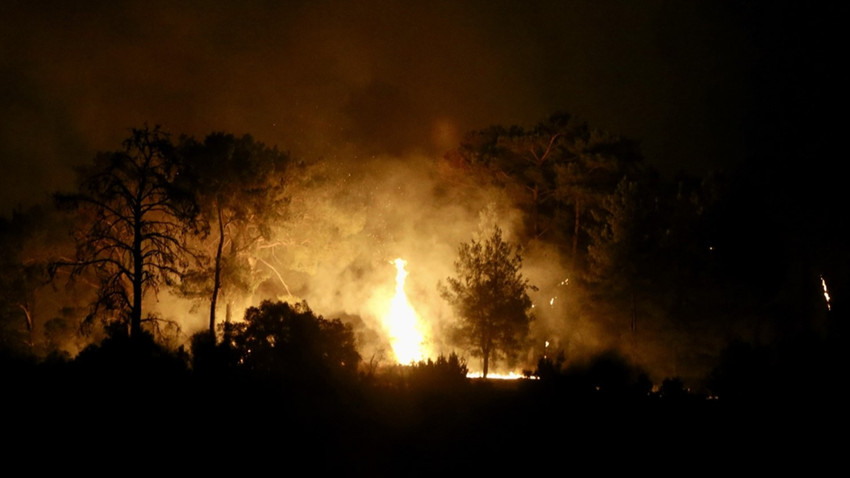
point(391, 76)
point(397, 83)
point(350, 222)
point(350, 219)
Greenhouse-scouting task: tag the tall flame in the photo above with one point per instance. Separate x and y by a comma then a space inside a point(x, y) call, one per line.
point(825, 293)
point(402, 322)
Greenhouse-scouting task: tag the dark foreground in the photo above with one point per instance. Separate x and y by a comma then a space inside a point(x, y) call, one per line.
point(187, 424)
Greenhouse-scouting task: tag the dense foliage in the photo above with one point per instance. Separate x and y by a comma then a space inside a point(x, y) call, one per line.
point(490, 297)
point(290, 342)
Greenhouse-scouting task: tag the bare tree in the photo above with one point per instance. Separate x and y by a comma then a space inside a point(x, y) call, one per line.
point(132, 218)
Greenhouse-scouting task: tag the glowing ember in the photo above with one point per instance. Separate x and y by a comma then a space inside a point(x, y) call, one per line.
point(403, 323)
point(825, 293)
point(500, 376)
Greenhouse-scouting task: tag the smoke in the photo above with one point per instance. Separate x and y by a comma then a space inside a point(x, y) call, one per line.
point(351, 217)
point(349, 223)
point(371, 94)
point(391, 77)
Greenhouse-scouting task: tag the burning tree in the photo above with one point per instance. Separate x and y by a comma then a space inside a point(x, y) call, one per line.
point(490, 297)
point(132, 219)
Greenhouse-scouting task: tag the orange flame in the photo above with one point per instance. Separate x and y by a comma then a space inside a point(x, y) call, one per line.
point(825, 293)
point(403, 323)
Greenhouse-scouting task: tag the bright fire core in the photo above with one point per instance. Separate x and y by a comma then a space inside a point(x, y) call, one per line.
point(402, 322)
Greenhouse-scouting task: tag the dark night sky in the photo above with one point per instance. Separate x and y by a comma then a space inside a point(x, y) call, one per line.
point(702, 84)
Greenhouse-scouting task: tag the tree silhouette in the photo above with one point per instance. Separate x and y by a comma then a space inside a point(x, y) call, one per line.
point(594, 164)
point(490, 297)
point(559, 171)
point(290, 342)
point(241, 188)
point(522, 161)
point(441, 374)
point(132, 218)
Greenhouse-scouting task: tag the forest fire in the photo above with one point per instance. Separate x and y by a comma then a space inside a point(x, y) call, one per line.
point(499, 376)
point(825, 293)
point(403, 323)
point(392, 237)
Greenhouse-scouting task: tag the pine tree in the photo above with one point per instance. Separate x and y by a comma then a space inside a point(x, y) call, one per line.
point(490, 297)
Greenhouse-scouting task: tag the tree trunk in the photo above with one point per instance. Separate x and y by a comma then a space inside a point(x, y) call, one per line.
point(27, 309)
point(138, 277)
point(217, 276)
point(485, 355)
point(227, 314)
